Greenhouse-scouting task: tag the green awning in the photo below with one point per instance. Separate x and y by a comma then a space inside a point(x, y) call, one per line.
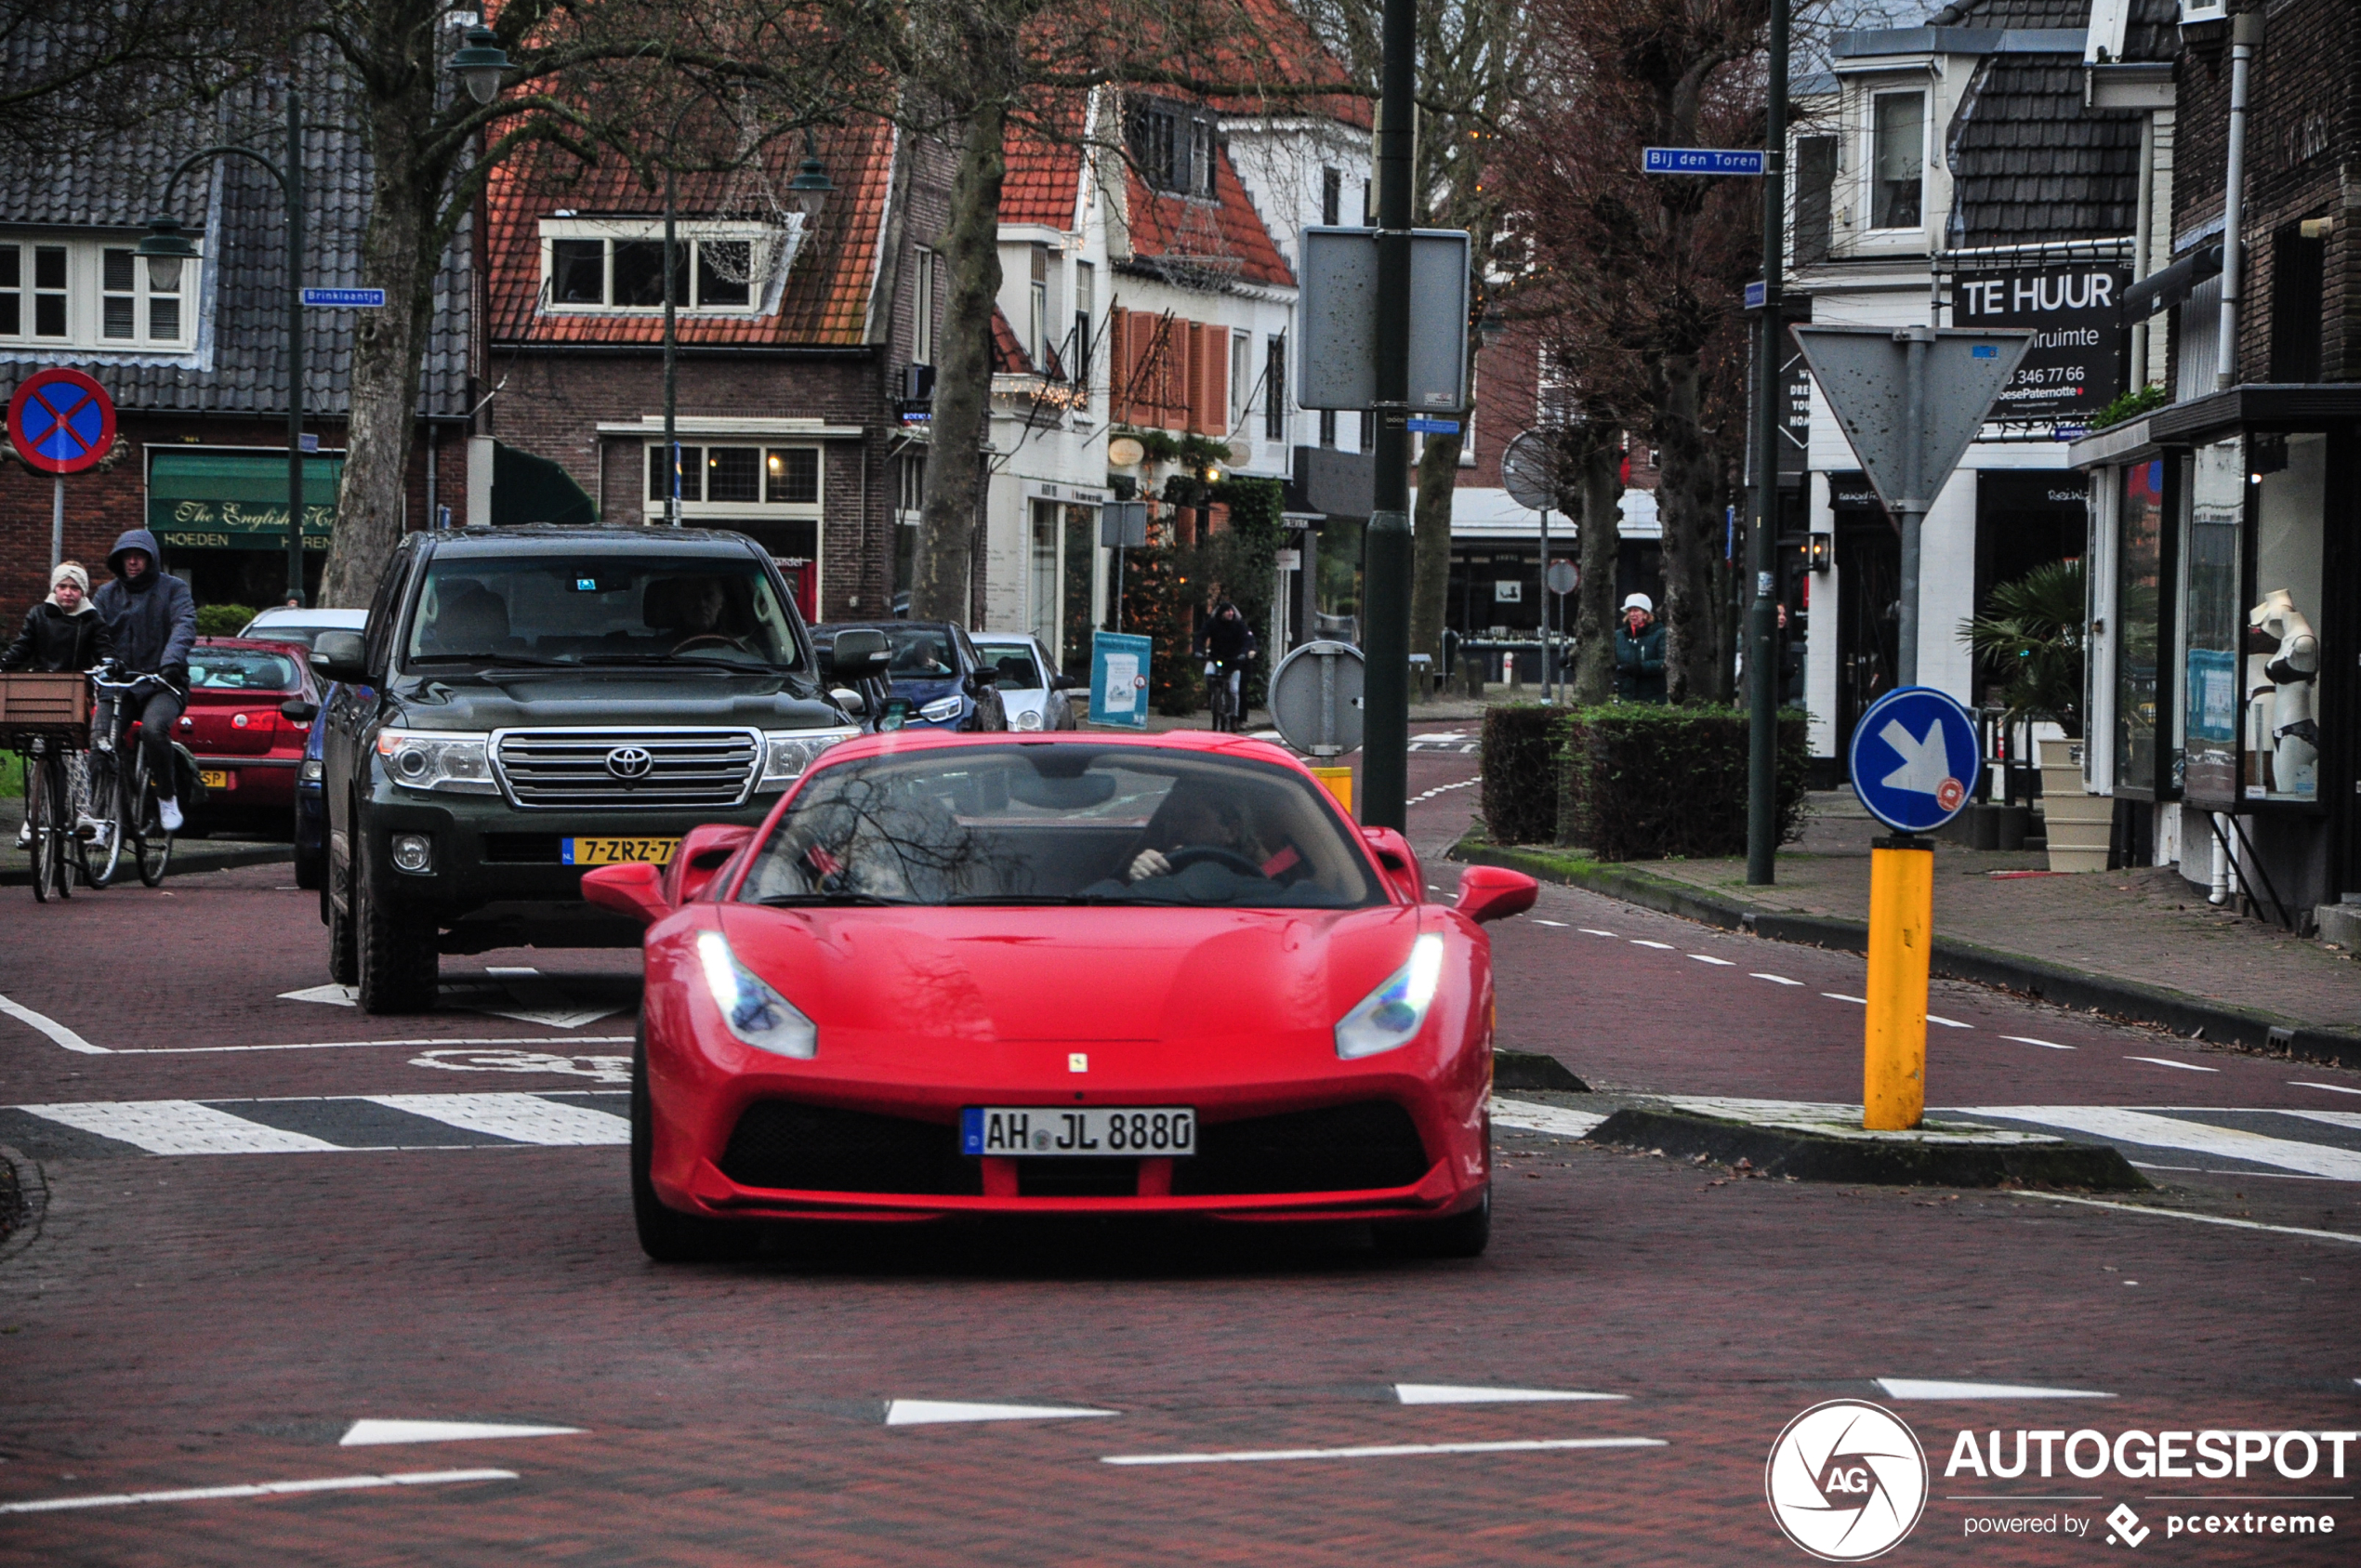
point(222, 500)
point(530, 489)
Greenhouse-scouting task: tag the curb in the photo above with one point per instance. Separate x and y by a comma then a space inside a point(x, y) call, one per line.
point(1532, 1070)
point(2129, 1001)
point(1879, 1162)
point(185, 863)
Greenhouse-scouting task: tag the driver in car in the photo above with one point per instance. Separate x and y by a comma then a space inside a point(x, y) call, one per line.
point(1194, 818)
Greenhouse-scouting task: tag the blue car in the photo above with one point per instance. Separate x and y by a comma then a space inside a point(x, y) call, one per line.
point(937, 670)
point(312, 807)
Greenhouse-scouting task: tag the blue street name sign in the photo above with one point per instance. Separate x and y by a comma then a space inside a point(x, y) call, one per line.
point(345, 299)
point(1433, 427)
point(1700, 160)
point(1915, 758)
point(1754, 296)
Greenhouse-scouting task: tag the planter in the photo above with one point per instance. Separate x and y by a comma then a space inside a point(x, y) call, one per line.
point(2082, 827)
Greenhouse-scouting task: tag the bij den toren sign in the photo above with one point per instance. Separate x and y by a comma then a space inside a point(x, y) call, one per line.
point(2076, 365)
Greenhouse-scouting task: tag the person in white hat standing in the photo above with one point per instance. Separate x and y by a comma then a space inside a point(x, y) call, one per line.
point(1638, 652)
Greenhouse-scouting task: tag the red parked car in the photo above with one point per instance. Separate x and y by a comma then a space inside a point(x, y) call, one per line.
point(251, 704)
point(1151, 975)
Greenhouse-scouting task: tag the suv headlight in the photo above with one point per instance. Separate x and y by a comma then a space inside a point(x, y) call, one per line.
point(786, 753)
point(939, 709)
point(1393, 1014)
point(438, 760)
point(757, 1014)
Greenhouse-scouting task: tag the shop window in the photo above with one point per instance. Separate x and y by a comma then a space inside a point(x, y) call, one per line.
point(2282, 664)
point(692, 473)
point(793, 476)
point(1898, 161)
point(734, 473)
point(2212, 624)
point(2299, 274)
point(736, 482)
point(2139, 606)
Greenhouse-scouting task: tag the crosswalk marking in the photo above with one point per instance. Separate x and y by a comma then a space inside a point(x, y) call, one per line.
point(1465, 1393)
point(1528, 1115)
point(1922, 1387)
point(527, 1118)
point(177, 1126)
point(2148, 1129)
point(930, 1411)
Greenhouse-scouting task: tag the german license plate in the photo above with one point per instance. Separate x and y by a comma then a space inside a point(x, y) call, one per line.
point(615, 851)
point(215, 778)
point(1125, 1131)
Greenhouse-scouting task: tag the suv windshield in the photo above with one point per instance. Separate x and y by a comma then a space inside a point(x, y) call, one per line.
point(632, 609)
point(1060, 825)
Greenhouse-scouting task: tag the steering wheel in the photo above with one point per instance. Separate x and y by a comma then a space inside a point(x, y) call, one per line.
point(1195, 854)
point(711, 637)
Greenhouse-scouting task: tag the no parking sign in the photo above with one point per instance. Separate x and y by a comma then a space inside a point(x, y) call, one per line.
point(60, 421)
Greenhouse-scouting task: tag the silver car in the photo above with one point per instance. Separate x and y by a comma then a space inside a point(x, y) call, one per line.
point(1030, 687)
point(302, 627)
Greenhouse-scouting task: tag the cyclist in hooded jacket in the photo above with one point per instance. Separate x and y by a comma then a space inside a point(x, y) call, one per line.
point(152, 618)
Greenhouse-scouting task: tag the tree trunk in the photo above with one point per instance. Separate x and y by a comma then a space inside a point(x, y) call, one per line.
point(963, 372)
point(1599, 476)
point(1430, 569)
point(1687, 496)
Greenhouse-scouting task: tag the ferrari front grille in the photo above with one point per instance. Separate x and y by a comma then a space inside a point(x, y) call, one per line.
point(1336, 1148)
point(820, 1148)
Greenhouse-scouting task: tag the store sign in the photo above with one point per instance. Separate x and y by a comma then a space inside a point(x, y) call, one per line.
point(2080, 341)
point(237, 501)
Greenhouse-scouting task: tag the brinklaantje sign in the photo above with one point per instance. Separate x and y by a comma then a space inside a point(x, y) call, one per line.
point(2080, 341)
point(237, 501)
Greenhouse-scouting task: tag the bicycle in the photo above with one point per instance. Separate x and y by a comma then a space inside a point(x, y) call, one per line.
point(45, 718)
point(1224, 682)
point(124, 805)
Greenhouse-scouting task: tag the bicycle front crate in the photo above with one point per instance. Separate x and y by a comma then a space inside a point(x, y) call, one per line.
point(55, 706)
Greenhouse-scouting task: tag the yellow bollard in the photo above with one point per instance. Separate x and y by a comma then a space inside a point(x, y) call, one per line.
point(1893, 1081)
point(1340, 784)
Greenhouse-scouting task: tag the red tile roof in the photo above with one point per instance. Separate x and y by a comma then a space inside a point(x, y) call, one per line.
point(1287, 54)
point(1044, 180)
point(826, 299)
point(1225, 237)
point(1008, 356)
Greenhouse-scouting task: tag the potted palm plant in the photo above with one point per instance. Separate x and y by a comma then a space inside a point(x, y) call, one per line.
point(2031, 635)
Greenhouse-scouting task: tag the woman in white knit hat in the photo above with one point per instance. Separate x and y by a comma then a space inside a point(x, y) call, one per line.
point(60, 633)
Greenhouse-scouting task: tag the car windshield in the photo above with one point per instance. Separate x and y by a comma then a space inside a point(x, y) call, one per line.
point(288, 631)
point(1019, 825)
point(240, 669)
point(920, 653)
point(590, 609)
point(1020, 671)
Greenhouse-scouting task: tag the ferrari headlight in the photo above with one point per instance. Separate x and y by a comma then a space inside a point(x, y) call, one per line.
point(941, 710)
point(1393, 1014)
point(1028, 719)
point(786, 753)
point(757, 1014)
point(441, 759)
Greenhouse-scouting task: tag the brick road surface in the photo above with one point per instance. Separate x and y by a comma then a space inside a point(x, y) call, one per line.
point(216, 1321)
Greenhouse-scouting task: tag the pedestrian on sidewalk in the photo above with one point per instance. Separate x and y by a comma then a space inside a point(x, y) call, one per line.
point(152, 618)
point(1639, 653)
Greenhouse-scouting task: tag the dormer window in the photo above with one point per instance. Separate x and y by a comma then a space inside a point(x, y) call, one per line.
point(1172, 146)
point(616, 265)
point(85, 294)
point(1898, 161)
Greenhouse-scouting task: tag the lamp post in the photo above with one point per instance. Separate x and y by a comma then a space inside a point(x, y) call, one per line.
point(167, 249)
point(1762, 611)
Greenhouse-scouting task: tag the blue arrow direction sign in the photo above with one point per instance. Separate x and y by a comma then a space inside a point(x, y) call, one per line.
point(345, 299)
point(1700, 160)
point(1915, 758)
point(1433, 427)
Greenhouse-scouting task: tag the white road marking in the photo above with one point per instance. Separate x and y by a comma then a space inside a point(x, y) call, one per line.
point(1705, 958)
point(2029, 1040)
point(1948, 1023)
point(177, 1126)
point(1841, 996)
point(502, 970)
point(364, 1433)
point(333, 994)
point(1380, 1451)
point(2331, 1118)
point(2169, 1132)
point(259, 1489)
point(929, 1412)
point(349, 1044)
point(1776, 979)
point(1642, 941)
point(2199, 1219)
point(1531, 1116)
point(2168, 1061)
point(1921, 1388)
point(1593, 931)
point(525, 1117)
point(460, 992)
point(52, 1028)
point(1560, 924)
point(2333, 1088)
point(1456, 1393)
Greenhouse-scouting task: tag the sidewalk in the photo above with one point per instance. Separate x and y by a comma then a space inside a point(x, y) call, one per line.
point(2138, 944)
point(189, 855)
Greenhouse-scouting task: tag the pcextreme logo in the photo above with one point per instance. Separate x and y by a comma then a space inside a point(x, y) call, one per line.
point(1846, 1481)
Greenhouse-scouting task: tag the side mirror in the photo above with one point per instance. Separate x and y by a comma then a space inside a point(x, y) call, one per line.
point(1062, 682)
point(294, 710)
point(1494, 892)
point(982, 676)
point(700, 857)
point(858, 655)
point(852, 702)
point(634, 887)
point(894, 714)
point(1400, 861)
point(338, 655)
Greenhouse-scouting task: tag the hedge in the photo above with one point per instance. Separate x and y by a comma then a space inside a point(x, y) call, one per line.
point(223, 620)
point(1642, 781)
point(1521, 746)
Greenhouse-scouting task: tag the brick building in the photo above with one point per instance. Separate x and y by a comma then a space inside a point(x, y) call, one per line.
point(196, 363)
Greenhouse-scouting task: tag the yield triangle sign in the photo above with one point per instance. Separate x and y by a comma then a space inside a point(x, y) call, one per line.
point(1863, 372)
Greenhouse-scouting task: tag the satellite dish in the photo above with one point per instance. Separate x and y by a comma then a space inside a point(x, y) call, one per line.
point(1529, 472)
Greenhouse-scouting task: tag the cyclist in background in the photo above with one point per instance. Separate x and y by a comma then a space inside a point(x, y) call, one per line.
point(63, 632)
point(1227, 641)
point(152, 618)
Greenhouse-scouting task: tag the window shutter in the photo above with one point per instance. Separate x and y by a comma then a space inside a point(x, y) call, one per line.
point(1213, 354)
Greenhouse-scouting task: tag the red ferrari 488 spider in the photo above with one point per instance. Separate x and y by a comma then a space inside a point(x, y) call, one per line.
point(1156, 975)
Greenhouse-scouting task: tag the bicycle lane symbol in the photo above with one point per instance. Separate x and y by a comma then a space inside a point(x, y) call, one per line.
point(599, 1069)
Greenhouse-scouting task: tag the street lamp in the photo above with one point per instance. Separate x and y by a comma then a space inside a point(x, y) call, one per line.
point(810, 188)
point(480, 63)
point(166, 246)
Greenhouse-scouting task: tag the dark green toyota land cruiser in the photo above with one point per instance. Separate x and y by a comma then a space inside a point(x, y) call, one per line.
point(530, 702)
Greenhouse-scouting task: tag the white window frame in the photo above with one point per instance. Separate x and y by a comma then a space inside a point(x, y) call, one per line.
point(1906, 235)
point(85, 296)
point(755, 511)
point(688, 233)
point(922, 313)
point(1242, 379)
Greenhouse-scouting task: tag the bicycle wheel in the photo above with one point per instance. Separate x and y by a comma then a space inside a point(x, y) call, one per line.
point(83, 808)
point(37, 808)
point(101, 861)
point(57, 814)
point(155, 843)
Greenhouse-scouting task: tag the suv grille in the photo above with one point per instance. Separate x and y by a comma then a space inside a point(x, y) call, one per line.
point(684, 768)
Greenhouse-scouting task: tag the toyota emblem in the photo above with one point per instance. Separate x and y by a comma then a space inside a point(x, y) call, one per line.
point(630, 761)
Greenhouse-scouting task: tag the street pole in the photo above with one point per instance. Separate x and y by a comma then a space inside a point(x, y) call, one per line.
point(1549, 647)
point(671, 431)
point(1913, 507)
point(294, 343)
point(57, 521)
point(1386, 584)
point(1762, 623)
